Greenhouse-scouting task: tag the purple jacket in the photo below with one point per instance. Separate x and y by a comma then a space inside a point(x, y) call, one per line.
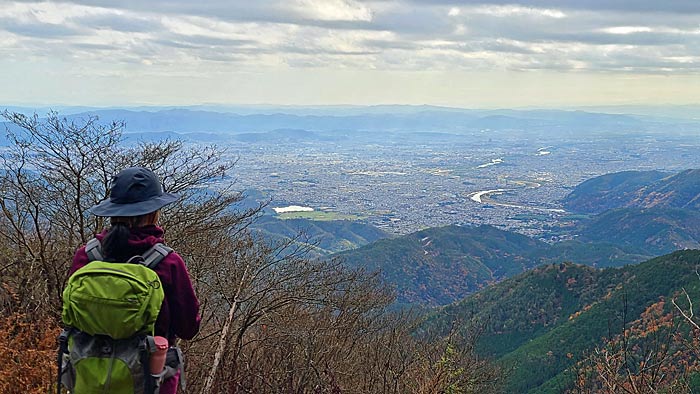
point(179, 314)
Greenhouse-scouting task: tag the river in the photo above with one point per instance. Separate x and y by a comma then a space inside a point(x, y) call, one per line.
point(484, 197)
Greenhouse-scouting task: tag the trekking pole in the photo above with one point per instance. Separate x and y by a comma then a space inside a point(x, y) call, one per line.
point(62, 349)
point(224, 333)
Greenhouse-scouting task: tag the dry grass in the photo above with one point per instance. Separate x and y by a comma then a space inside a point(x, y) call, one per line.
point(28, 349)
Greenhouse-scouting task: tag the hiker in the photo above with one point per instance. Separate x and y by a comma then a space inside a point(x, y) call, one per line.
point(133, 206)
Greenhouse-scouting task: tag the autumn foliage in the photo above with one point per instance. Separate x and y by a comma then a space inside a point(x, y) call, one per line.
point(28, 348)
point(658, 352)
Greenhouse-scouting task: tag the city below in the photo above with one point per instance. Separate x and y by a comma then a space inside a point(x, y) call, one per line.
point(406, 183)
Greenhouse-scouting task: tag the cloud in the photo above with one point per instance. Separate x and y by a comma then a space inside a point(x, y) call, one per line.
point(39, 30)
point(120, 22)
point(200, 41)
point(651, 6)
point(595, 35)
point(274, 11)
point(332, 10)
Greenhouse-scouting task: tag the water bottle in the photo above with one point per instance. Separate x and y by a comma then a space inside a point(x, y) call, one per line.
point(157, 359)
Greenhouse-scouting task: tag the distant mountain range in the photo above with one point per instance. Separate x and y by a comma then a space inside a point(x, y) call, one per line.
point(427, 119)
point(209, 122)
point(663, 111)
point(182, 120)
point(541, 322)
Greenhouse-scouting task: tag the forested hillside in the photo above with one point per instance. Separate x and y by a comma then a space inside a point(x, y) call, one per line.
point(438, 266)
point(324, 237)
point(650, 231)
point(543, 324)
point(636, 189)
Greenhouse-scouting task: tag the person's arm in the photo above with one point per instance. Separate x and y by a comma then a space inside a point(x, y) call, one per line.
point(183, 303)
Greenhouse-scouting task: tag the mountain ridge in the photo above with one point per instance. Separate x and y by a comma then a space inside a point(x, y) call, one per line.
point(636, 189)
point(441, 265)
point(374, 118)
point(542, 322)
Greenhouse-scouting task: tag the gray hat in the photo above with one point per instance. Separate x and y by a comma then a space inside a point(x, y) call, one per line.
point(134, 191)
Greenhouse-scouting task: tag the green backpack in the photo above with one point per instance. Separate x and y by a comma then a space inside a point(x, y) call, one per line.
point(110, 310)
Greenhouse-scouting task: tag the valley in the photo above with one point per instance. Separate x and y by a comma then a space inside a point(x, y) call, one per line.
point(404, 185)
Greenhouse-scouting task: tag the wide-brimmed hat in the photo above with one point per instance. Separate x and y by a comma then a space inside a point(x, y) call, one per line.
point(134, 191)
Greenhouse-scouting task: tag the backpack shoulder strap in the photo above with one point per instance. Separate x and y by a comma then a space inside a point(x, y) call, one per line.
point(93, 249)
point(153, 256)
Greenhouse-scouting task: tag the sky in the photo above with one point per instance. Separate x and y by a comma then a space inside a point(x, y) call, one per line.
point(470, 53)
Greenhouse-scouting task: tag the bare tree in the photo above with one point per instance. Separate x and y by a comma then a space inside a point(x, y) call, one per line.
point(650, 355)
point(274, 321)
point(296, 325)
point(53, 171)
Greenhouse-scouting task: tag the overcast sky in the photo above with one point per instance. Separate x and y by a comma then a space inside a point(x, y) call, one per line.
point(547, 53)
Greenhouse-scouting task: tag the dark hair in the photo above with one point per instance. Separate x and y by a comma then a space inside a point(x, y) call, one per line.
point(115, 244)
